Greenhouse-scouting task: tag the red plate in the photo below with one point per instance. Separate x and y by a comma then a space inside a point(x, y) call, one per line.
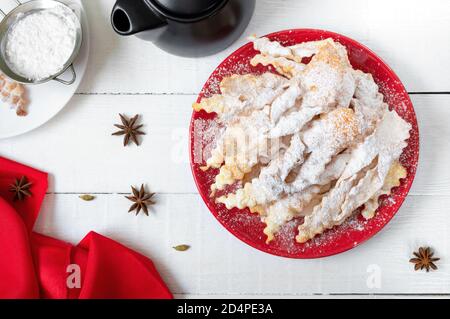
point(247, 226)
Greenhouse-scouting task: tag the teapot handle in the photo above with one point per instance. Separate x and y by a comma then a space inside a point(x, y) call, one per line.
point(129, 17)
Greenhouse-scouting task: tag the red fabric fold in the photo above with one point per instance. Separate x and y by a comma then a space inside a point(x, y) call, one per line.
point(36, 266)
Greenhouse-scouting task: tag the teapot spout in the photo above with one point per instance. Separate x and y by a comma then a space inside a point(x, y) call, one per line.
point(129, 17)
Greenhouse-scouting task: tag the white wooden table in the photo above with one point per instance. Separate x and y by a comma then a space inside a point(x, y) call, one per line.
point(131, 76)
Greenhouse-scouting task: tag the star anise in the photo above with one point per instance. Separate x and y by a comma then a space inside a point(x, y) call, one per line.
point(141, 200)
point(424, 259)
point(20, 188)
point(129, 129)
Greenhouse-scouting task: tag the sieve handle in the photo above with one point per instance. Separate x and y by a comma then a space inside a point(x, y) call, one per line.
point(68, 82)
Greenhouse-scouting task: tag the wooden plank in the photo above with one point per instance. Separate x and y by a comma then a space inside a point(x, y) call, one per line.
point(220, 264)
point(131, 76)
point(78, 150)
point(408, 35)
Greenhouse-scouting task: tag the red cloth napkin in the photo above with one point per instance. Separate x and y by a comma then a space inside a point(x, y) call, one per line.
point(37, 266)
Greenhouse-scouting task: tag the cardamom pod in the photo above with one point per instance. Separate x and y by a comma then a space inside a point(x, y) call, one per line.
point(182, 247)
point(87, 197)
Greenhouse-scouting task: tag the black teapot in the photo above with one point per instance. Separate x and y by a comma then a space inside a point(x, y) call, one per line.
point(189, 28)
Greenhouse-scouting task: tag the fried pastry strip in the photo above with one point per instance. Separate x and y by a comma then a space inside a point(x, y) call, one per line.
point(327, 79)
point(321, 218)
point(239, 155)
point(285, 101)
point(388, 139)
point(383, 147)
point(395, 174)
point(330, 135)
point(287, 208)
point(327, 82)
point(295, 52)
point(271, 48)
point(270, 183)
point(302, 203)
point(243, 93)
point(295, 121)
point(284, 66)
point(308, 49)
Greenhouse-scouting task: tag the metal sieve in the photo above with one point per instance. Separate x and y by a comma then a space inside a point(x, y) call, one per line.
point(25, 9)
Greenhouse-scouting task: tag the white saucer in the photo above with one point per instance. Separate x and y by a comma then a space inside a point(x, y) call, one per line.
point(46, 100)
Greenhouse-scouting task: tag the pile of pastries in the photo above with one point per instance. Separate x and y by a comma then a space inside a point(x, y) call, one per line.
point(316, 140)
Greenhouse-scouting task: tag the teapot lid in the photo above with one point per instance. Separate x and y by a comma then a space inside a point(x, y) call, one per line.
point(187, 10)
